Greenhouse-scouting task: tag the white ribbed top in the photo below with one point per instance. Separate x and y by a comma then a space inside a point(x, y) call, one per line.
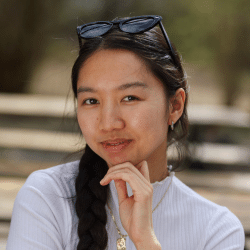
point(43, 219)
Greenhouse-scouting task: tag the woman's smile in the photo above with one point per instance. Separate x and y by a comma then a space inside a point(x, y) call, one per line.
point(116, 146)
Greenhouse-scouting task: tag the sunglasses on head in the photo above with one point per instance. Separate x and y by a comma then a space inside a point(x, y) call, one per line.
point(132, 25)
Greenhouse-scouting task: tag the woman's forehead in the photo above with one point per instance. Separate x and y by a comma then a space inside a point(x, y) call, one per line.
point(109, 59)
point(117, 68)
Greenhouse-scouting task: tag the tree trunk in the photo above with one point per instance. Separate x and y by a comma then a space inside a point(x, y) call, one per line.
point(23, 39)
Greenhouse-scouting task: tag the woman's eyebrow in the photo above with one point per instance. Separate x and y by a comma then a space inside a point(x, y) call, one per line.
point(132, 85)
point(121, 87)
point(86, 89)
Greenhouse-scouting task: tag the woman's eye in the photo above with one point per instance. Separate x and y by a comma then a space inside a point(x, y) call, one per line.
point(130, 98)
point(90, 102)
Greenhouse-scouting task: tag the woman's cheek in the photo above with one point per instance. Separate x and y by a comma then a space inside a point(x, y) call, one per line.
point(144, 119)
point(86, 124)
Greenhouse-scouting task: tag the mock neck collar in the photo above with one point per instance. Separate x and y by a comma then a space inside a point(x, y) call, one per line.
point(158, 186)
point(162, 182)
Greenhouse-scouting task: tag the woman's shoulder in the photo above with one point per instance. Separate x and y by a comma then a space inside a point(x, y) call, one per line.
point(188, 195)
point(59, 179)
point(216, 219)
point(190, 198)
point(200, 206)
point(42, 202)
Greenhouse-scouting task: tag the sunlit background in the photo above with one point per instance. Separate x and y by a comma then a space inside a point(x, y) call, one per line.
point(38, 129)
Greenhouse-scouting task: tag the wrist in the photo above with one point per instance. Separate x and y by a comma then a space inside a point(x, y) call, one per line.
point(147, 246)
point(150, 243)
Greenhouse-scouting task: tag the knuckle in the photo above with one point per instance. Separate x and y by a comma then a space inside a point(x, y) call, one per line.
point(120, 175)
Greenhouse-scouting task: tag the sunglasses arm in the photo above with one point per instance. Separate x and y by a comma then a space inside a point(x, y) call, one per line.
point(169, 43)
point(79, 37)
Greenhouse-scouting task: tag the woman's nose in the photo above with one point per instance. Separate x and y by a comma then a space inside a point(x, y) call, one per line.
point(111, 118)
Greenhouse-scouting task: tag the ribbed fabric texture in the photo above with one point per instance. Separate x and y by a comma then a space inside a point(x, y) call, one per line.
point(44, 219)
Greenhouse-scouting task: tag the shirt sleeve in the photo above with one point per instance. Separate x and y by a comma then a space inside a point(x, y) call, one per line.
point(36, 222)
point(225, 232)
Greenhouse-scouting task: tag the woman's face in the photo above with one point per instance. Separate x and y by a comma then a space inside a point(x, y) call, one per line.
point(122, 108)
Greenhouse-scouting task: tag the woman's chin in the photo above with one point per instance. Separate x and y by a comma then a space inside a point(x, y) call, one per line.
point(118, 161)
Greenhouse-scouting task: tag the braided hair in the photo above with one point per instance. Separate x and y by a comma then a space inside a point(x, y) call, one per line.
point(90, 202)
point(91, 197)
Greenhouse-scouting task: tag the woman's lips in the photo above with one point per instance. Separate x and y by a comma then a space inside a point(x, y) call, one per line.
point(115, 145)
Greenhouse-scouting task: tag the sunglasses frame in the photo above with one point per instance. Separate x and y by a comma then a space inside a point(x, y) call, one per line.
point(157, 20)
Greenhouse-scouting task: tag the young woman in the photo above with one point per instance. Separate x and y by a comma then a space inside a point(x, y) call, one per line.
point(132, 94)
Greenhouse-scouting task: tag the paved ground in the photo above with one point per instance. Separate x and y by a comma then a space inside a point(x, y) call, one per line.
point(228, 189)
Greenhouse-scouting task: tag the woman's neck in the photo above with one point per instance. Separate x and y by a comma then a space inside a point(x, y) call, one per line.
point(158, 170)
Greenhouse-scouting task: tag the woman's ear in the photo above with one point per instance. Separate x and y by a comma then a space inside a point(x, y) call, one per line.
point(176, 106)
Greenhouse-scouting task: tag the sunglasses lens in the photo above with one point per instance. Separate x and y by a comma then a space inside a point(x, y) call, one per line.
point(95, 30)
point(138, 25)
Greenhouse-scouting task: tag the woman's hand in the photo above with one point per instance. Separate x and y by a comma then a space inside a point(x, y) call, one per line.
point(135, 211)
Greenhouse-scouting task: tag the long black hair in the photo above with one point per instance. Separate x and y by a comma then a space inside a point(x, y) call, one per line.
point(91, 197)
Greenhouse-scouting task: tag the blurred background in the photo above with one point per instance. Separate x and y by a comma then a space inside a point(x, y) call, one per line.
point(38, 129)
